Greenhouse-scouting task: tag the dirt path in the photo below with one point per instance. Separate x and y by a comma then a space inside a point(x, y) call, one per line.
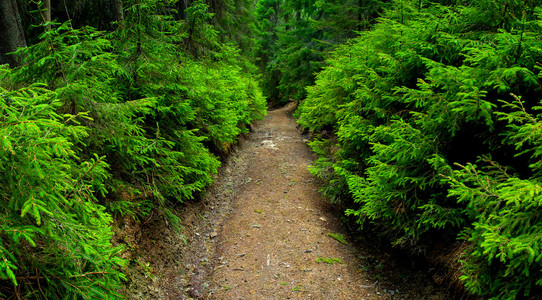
point(274, 245)
point(262, 232)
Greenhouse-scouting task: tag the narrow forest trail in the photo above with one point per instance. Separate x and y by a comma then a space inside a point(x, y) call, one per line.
point(270, 247)
point(261, 232)
point(272, 243)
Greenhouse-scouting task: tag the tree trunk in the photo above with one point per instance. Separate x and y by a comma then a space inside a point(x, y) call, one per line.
point(48, 13)
point(114, 13)
point(11, 32)
point(360, 15)
point(182, 5)
point(119, 10)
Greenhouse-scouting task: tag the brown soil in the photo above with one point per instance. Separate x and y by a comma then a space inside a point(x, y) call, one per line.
point(262, 232)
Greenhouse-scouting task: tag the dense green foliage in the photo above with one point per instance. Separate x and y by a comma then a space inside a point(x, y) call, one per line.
point(95, 124)
point(429, 122)
point(426, 116)
point(52, 230)
point(295, 36)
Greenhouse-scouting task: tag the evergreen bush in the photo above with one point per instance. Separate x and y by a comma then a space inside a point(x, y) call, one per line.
point(415, 121)
point(95, 124)
point(54, 236)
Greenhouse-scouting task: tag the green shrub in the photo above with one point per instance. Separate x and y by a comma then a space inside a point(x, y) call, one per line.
point(418, 122)
point(125, 123)
point(54, 237)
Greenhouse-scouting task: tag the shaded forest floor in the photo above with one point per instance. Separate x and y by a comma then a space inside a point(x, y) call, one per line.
point(262, 232)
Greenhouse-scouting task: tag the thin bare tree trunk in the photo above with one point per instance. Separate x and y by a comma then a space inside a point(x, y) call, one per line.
point(48, 13)
point(11, 32)
point(360, 15)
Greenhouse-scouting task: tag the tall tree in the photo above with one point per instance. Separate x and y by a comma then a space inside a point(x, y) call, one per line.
point(48, 12)
point(268, 14)
point(11, 32)
point(295, 36)
point(118, 10)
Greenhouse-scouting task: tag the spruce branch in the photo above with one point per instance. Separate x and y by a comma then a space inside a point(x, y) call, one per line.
point(39, 277)
point(98, 160)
